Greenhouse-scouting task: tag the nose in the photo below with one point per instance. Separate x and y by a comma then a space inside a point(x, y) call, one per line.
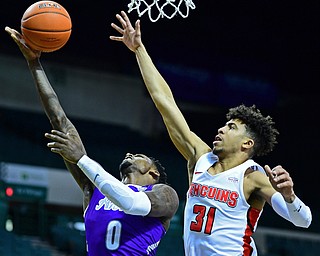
point(128, 154)
point(220, 130)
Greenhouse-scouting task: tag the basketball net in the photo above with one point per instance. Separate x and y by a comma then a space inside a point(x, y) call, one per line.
point(168, 9)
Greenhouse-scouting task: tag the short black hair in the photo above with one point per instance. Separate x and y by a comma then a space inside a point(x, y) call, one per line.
point(163, 175)
point(259, 127)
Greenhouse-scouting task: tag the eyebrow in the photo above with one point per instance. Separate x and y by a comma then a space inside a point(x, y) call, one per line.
point(142, 156)
point(146, 158)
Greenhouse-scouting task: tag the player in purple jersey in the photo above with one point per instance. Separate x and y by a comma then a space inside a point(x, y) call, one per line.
point(127, 217)
point(115, 217)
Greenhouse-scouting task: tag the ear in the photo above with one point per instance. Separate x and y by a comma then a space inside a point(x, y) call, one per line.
point(154, 173)
point(248, 143)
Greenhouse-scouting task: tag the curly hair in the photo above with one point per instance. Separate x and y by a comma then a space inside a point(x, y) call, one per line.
point(259, 127)
point(161, 170)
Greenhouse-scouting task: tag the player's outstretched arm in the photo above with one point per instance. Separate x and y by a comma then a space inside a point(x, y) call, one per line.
point(48, 97)
point(188, 144)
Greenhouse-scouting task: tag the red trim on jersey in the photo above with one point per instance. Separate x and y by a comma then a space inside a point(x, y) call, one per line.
point(252, 218)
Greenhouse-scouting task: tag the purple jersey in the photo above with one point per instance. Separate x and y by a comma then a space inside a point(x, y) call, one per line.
point(110, 231)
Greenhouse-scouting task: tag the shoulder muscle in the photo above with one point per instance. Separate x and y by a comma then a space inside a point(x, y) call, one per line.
point(164, 201)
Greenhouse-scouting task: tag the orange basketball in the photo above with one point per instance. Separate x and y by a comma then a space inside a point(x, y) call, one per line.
point(46, 26)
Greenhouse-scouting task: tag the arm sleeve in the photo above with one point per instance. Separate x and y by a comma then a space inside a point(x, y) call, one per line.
point(296, 212)
point(135, 203)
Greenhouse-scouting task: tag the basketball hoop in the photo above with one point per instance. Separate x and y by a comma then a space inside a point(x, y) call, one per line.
point(168, 9)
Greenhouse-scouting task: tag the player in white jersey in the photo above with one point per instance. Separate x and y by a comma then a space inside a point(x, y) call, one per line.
point(221, 209)
point(227, 191)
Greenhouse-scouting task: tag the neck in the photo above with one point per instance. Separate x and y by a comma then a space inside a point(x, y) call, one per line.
point(229, 162)
point(130, 179)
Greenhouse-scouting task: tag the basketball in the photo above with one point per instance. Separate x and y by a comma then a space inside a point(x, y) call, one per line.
point(46, 26)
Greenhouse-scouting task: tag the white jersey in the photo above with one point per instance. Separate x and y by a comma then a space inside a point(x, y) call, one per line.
point(217, 218)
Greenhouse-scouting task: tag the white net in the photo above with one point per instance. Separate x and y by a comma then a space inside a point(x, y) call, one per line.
point(157, 9)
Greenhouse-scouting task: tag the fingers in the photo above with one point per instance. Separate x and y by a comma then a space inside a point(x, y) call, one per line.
point(13, 33)
point(279, 177)
point(276, 171)
point(285, 184)
point(54, 146)
point(120, 30)
point(268, 170)
point(126, 20)
point(116, 38)
point(138, 27)
point(56, 136)
point(121, 20)
point(60, 134)
point(125, 23)
point(116, 27)
point(18, 38)
point(59, 139)
point(9, 30)
point(56, 133)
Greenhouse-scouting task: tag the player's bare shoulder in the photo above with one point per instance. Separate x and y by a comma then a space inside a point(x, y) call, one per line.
point(164, 201)
point(254, 180)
